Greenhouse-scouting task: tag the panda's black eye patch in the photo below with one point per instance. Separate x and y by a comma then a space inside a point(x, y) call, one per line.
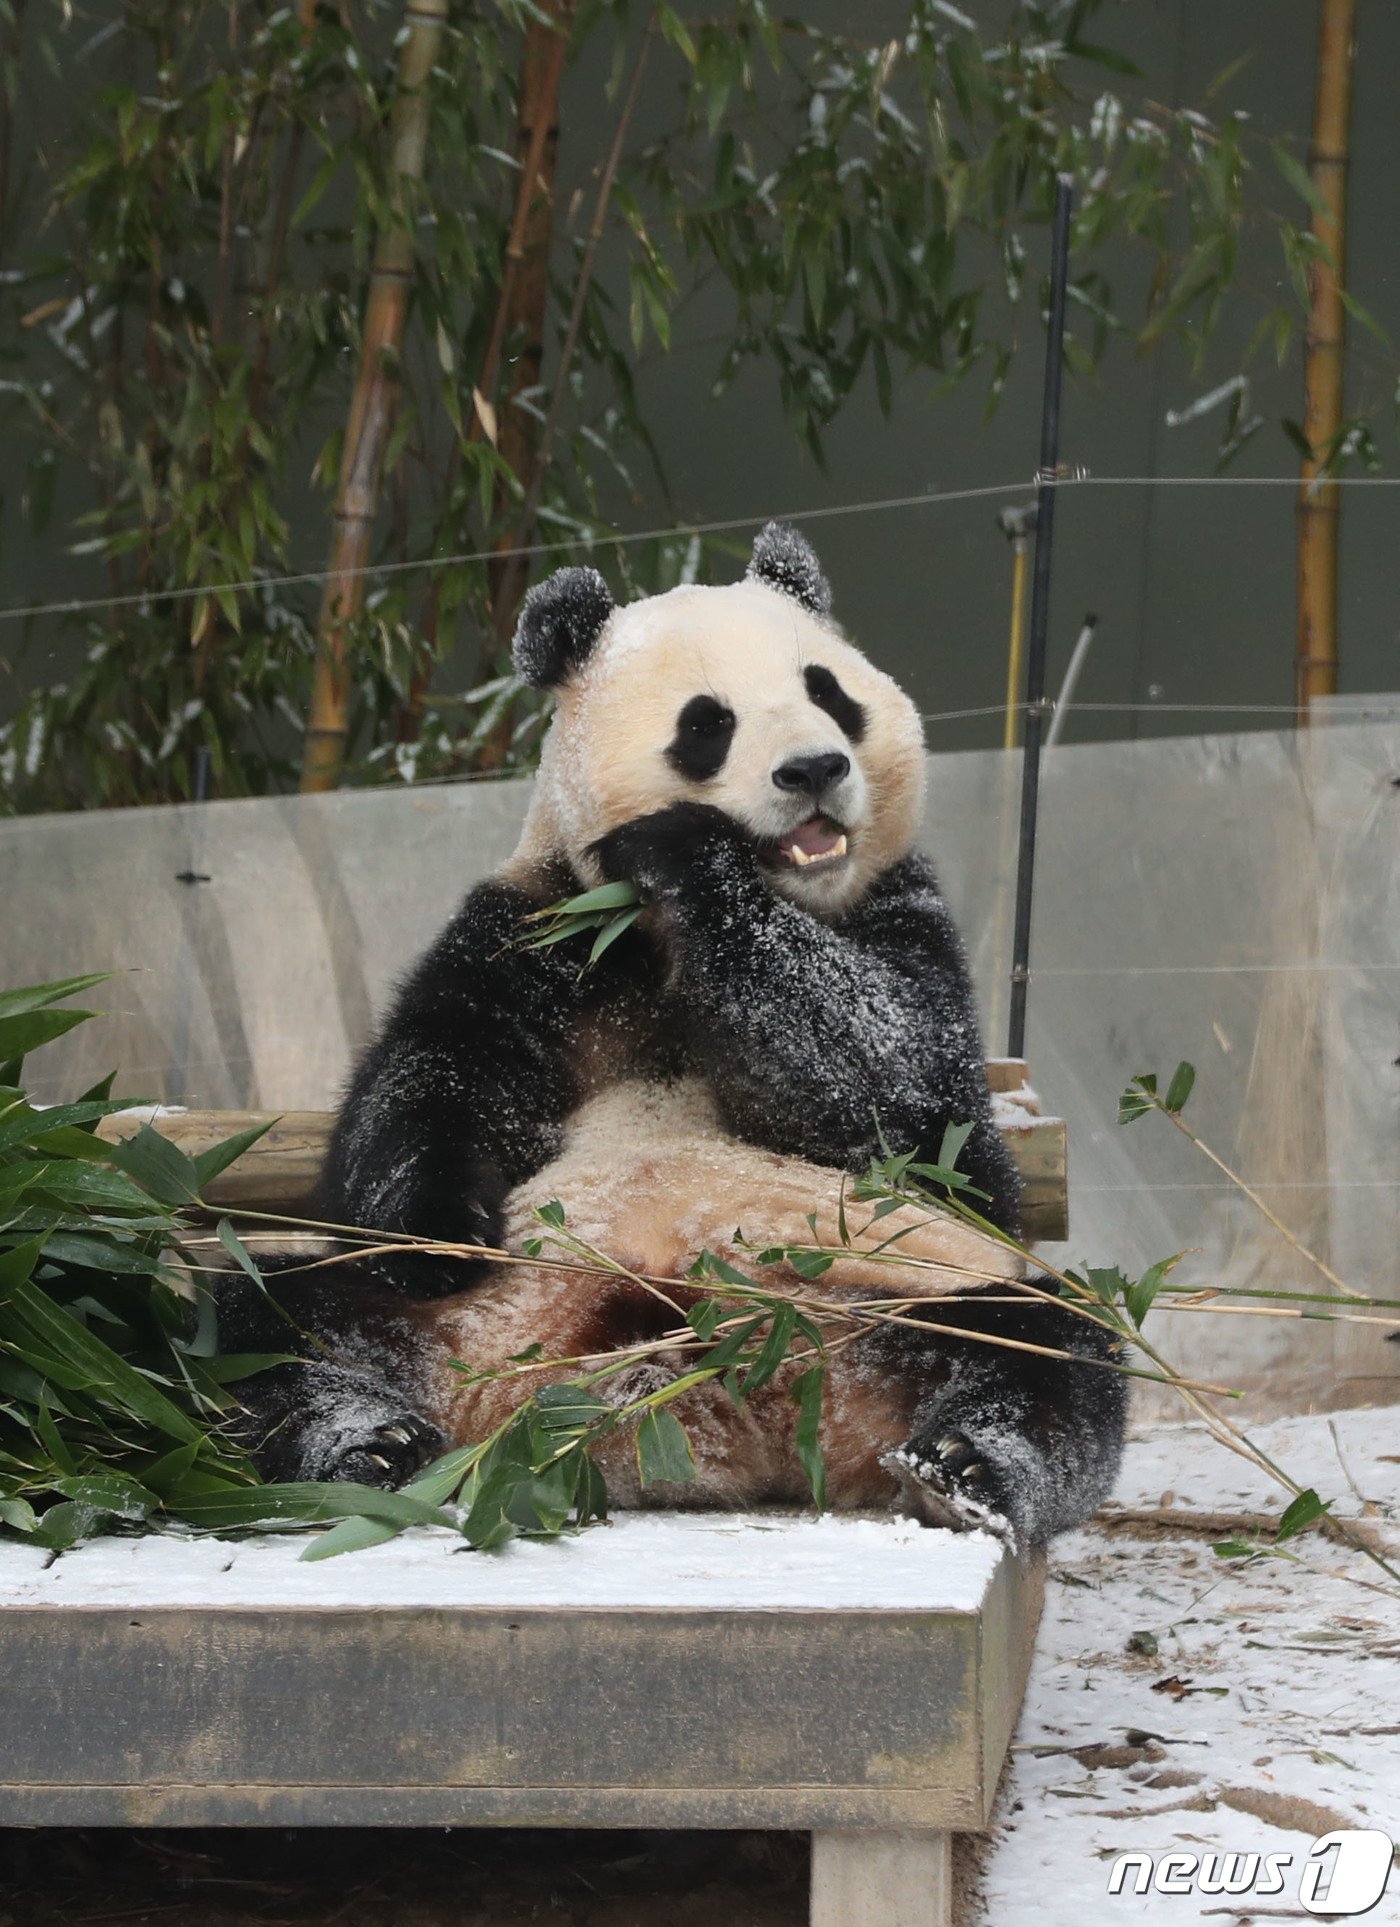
point(827, 694)
point(704, 731)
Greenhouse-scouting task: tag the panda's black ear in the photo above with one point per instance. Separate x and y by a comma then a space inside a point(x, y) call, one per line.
point(784, 560)
point(560, 620)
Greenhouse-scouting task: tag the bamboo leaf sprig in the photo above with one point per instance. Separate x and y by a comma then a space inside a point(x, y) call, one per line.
point(114, 1398)
point(1142, 1096)
point(608, 911)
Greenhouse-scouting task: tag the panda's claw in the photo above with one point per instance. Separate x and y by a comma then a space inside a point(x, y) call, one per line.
point(385, 1455)
point(932, 1486)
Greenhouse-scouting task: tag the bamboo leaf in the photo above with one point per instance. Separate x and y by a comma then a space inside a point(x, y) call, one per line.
point(1183, 1078)
point(264, 1507)
point(1300, 1514)
point(1362, 314)
point(27, 1031)
point(1138, 1099)
point(807, 1389)
point(23, 1125)
point(1299, 179)
point(610, 933)
point(209, 1164)
point(107, 1375)
point(18, 1515)
point(15, 1003)
point(351, 1535)
point(1138, 1298)
point(159, 1166)
point(607, 896)
point(774, 1351)
point(663, 1450)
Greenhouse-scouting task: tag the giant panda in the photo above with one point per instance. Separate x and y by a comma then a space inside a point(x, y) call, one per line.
point(794, 991)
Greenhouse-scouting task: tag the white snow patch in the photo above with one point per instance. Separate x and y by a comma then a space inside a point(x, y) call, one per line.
point(712, 1562)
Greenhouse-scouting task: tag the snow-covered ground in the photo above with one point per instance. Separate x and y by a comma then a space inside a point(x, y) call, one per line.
point(1180, 1702)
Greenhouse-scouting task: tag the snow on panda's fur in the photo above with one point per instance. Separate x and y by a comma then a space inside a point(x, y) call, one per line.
point(796, 978)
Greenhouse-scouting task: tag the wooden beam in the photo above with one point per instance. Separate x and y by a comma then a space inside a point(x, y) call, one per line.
point(279, 1172)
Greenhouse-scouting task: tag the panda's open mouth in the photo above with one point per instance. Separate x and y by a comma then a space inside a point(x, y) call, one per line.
point(817, 841)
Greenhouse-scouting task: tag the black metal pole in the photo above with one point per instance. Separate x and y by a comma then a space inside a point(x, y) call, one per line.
point(1040, 618)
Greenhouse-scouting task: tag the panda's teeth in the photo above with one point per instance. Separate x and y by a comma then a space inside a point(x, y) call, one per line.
point(801, 857)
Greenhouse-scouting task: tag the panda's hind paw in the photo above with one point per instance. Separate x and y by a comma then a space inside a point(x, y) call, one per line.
point(389, 1455)
point(943, 1480)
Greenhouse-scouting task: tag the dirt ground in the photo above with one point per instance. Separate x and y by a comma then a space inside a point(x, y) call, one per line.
point(362, 1878)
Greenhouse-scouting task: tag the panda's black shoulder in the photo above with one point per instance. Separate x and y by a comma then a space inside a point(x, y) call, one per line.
point(483, 936)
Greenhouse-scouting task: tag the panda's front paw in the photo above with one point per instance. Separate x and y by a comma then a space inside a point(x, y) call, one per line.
point(671, 850)
point(451, 1208)
point(944, 1480)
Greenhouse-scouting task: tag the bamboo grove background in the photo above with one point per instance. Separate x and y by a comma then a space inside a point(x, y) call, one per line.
point(335, 291)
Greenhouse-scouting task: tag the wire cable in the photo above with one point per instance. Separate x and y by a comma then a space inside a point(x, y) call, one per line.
point(619, 539)
point(137, 598)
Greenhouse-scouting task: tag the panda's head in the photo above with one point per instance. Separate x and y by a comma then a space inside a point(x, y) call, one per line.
point(746, 697)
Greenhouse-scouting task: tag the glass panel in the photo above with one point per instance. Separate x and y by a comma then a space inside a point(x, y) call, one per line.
point(1234, 900)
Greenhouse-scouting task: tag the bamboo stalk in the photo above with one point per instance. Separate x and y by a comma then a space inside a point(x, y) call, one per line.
point(1016, 649)
point(519, 434)
point(531, 228)
point(9, 53)
point(277, 242)
point(1319, 502)
point(859, 1315)
point(1304, 1251)
point(211, 625)
point(226, 164)
point(372, 405)
point(513, 574)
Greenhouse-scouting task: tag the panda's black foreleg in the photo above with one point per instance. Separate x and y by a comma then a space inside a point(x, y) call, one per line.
point(1024, 1445)
point(462, 1094)
point(325, 1412)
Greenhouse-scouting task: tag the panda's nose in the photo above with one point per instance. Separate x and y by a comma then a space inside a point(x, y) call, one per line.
point(813, 773)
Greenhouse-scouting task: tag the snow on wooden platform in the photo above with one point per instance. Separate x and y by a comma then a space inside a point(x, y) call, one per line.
point(1268, 1715)
point(640, 1561)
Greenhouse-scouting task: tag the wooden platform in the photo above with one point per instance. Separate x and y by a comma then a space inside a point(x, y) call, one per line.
point(856, 1677)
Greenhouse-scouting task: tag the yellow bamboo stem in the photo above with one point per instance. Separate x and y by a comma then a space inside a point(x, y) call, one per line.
point(1319, 504)
point(528, 244)
point(1016, 650)
point(373, 404)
